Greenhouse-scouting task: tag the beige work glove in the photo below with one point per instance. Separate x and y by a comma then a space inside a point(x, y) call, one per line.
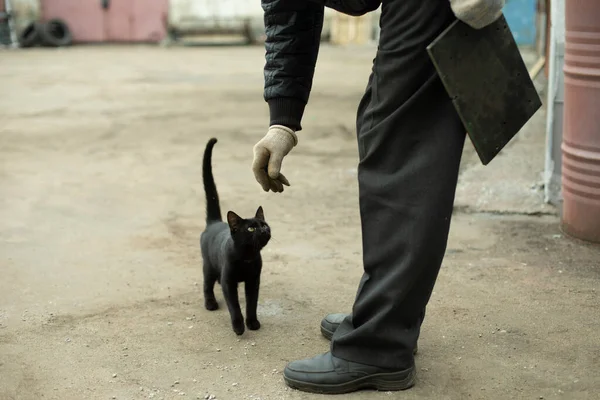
point(268, 155)
point(477, 13)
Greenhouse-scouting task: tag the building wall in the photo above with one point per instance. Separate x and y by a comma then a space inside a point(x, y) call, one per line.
point(148, 20)
point(222, 16)
point(521, 18)
point(111, 20)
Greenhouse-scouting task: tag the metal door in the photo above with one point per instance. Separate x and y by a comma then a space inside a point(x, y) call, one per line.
point(84, 18)
point(149, 20)
point(118, 20)
point(111, 20)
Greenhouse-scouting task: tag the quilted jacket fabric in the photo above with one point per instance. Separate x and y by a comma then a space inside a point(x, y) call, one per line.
point(293, 33)
point(293, 30)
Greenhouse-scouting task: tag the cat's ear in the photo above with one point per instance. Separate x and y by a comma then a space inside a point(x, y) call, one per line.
point(233, 220)
point(260, 214)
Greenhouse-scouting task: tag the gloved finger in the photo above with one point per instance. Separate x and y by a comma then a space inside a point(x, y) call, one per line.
point(261, 156)
point(263, 179)
point(275, 165)
point(278, 185)
point(283, 179)
point(273, 185)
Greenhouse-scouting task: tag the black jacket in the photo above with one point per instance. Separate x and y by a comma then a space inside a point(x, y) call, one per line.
point(293, 30)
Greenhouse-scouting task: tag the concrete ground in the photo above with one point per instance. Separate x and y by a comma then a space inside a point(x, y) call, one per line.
point(102, 205)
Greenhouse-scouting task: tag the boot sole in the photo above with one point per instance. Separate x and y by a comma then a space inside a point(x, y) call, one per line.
point(385, 382)
point(329, 334)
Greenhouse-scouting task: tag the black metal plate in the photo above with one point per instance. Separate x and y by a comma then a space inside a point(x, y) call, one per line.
point(484, 73)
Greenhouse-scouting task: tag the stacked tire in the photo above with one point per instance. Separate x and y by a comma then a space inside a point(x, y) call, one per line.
point(52, 33)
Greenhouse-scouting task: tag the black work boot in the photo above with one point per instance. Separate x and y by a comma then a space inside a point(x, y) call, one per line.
point(331, 375)
point(330, 323)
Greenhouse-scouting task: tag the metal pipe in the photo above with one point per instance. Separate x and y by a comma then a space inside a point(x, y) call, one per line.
point(552, 78)
point(554, 115)
point(11, 25)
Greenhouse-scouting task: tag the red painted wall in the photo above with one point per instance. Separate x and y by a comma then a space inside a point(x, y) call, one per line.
point(121, 21)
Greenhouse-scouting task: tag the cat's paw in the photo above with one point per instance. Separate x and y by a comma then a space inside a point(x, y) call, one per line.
point(238, 326)
point(211, 304)
point(253, 324)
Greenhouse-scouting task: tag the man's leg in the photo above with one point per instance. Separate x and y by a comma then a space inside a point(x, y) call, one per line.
point(331, 322)
point(410, 143)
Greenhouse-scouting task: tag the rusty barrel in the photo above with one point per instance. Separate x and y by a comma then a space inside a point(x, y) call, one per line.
point(581, 129)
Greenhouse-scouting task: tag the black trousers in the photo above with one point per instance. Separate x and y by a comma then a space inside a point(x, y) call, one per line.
point(410, 143)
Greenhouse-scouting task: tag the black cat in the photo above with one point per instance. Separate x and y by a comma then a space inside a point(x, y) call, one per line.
point(231, 253)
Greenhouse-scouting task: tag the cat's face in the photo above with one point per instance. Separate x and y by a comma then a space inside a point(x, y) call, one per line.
point(249, 233)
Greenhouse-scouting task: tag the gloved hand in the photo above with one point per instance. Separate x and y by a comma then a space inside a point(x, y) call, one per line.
point(477, 13)
point(268, 155)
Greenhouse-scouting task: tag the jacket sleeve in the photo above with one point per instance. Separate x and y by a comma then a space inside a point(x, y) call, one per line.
point(293, 35)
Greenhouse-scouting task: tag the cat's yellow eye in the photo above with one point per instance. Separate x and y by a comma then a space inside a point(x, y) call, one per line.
point(250, 229)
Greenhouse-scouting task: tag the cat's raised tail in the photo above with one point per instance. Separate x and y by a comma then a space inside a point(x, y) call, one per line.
point(213, 209)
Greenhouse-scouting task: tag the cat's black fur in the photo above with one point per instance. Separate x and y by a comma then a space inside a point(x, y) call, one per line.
point(231, 253)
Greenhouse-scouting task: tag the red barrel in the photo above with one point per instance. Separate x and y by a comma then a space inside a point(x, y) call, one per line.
point(581, 129)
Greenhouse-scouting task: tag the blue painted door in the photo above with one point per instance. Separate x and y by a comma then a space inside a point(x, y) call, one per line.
point(520, 15)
